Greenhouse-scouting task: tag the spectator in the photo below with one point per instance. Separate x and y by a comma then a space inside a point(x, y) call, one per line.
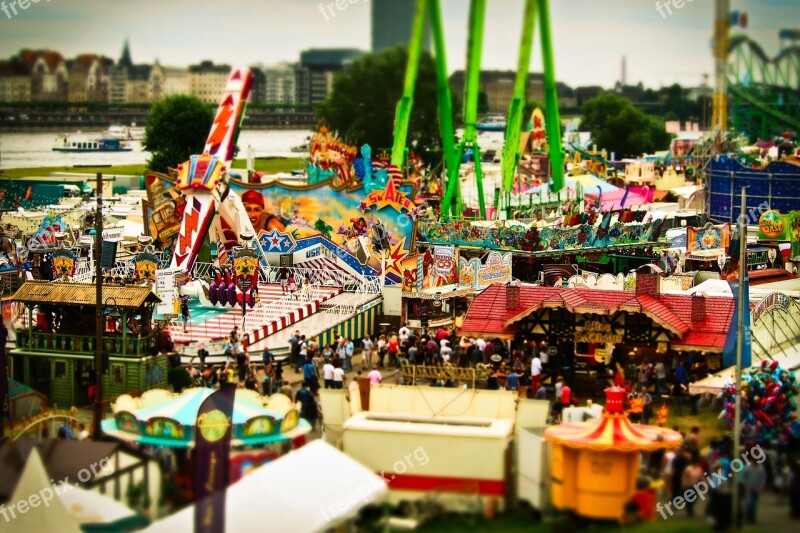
point(541, 393)
point(267, 357)
point(536, 372)
point(382, 350)
point(348, 351)
point(375, 376)
point(308, 406)
point(308, 374)
point(327, 374)
point(242, 365)
point(512, 381)
point(338, 378)
point(367, 348)
point(754, 480)
point(661, 378)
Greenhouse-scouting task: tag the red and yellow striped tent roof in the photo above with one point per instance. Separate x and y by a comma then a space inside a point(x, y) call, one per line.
point(613, 432)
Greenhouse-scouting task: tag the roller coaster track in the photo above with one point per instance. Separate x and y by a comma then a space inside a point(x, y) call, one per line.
point(758, 85)
point(785, 120)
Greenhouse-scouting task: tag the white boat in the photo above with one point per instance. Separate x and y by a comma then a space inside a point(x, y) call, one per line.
point(125, 133)
point(65, 143)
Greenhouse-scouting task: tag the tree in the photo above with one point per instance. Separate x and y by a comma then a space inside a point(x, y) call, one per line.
point(179, 378)
point(361, 107)
point(176, 128)
point(619, 127)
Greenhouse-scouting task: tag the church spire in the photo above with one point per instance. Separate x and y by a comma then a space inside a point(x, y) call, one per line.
point(125, 58)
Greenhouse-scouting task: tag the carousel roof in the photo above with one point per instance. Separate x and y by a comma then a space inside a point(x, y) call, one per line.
point(84, 294)
point(613, 431)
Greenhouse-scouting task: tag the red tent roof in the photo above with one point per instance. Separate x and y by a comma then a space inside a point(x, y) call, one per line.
point(488, 315)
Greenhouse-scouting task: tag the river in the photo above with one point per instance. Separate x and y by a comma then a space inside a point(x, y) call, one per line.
point(22, 150)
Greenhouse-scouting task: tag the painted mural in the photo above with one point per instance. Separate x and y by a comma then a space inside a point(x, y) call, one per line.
point(709, 237)
point(479, 275)
point(516, 236)
point(282, 215)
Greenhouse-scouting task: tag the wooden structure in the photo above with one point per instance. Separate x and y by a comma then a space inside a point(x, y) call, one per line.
point(55, 347)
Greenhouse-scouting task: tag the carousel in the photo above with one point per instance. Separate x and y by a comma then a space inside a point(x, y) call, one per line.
point(163, 418)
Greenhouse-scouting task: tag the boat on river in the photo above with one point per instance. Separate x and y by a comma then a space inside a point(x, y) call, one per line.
point(65, 143)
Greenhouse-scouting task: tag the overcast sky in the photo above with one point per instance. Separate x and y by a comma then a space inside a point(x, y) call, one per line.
point(590, 36)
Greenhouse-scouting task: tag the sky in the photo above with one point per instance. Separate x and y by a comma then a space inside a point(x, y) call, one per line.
point(590, 37)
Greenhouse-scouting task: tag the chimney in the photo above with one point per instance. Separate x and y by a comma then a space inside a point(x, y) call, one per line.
point(512, 297)
point(698, 308)
point(647, 283)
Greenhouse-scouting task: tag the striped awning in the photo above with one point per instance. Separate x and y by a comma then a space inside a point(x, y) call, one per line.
point(613, 432)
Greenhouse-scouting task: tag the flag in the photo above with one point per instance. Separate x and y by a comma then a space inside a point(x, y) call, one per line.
point(212, 459)
point(729, 351)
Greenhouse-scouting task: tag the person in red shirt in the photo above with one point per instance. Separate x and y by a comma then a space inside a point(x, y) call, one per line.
point(566, 394)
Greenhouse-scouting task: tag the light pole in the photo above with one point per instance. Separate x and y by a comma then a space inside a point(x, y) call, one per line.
point(98, 283)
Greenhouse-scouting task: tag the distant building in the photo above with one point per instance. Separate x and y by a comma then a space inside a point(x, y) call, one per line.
point(392, 22)
point(322, 64)
point(258, 88)
point(498, 86)
point(118, 77)
point(207, 80)
point(88, 78)
point(15, 81)
point(49, 77)
point(281, 84)
point(176, 80)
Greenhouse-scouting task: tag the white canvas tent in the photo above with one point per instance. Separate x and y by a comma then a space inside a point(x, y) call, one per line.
point(61, 507)
point(310, 489)
point(788, 359)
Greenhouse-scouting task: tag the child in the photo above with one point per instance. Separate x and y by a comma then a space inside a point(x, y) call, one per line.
point(292, 286)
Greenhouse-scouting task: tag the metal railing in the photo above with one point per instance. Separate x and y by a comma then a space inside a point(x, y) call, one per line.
point(82, 344)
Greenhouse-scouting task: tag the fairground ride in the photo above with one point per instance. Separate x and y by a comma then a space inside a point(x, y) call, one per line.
point(452, 204)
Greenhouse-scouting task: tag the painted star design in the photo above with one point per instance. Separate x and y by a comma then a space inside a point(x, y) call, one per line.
point(275, 240)
point(396, 254)
point(363, 206)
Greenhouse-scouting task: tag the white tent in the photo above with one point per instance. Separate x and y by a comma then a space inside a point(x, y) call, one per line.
point(58, 506)
point(788, 359)
point(311, 489)
point(41, 510)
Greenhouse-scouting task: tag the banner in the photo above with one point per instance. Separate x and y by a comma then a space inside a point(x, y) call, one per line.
point(774, 226)
point(212, 459)
point(165, 289)
point(729, 350)
point(146, 266)
point(496, 270)
point(709, 237)
point(63, 263)
point(409, 268)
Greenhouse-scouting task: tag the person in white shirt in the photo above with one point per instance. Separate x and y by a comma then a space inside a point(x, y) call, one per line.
point(481, 344)
point(338, 378)
point(375, 376)
point(404, 332)
point(536, 373)
point(327, 374)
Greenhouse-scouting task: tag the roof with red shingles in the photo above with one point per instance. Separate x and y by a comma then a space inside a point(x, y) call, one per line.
point(488, 314)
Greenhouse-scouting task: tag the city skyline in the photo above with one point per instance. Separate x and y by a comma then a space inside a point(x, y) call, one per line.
point(661, 46)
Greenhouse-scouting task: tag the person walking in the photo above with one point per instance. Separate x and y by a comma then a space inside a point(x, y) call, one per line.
point(661, 378)
point(647, 410)
point(327, 374)
point(754, 480)
point(367, 347)
point(382, 349)
point(308, 406)
point(338, 377)
point(349, 348)
point(536, 372)
point(692, 475)
point(185, 311)
point(283, 276)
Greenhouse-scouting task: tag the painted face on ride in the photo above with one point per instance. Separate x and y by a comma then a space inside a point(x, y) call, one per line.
point(255, 213)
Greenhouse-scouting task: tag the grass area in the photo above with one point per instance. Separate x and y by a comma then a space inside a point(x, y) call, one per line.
point(37, 172)
point(268, 165)
point(706, 419)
